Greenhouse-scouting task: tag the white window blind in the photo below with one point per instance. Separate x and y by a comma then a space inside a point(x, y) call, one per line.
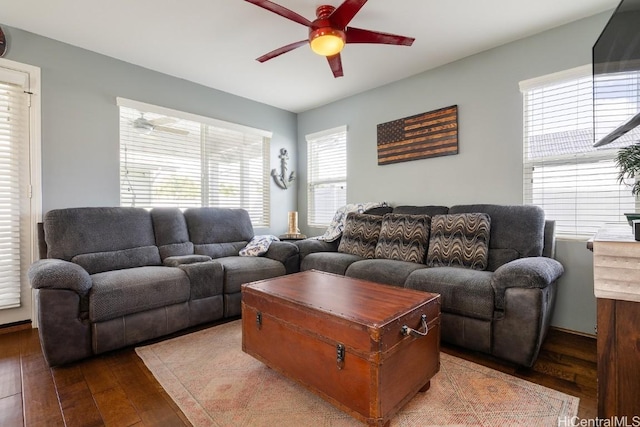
point(14, 164)
point(170, 158)
point(327, 172)
point(575, 183)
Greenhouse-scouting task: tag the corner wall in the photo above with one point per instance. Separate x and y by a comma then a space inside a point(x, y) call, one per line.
point(488, 168)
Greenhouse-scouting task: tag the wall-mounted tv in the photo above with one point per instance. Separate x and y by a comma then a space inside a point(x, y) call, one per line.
point(616, 69)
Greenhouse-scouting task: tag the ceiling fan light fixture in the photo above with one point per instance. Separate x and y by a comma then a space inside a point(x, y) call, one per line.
point(327, 41)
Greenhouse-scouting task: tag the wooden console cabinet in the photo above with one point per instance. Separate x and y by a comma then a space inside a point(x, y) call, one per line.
point(616, 271)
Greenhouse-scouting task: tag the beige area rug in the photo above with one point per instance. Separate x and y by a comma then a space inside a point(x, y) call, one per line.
point(215, 384)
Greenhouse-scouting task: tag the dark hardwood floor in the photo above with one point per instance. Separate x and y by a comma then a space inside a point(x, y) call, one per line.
point(117, 389)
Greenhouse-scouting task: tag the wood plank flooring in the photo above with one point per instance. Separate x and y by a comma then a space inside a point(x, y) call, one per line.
point(117, 389)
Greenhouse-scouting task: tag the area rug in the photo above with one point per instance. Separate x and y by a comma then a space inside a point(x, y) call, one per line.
point(215, 384)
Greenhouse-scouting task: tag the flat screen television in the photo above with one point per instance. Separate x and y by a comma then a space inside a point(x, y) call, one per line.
point(616, 53)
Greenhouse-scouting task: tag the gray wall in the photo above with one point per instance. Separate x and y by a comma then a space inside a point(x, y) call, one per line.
point(80, 133)
point(488, 168)
point(80, 124)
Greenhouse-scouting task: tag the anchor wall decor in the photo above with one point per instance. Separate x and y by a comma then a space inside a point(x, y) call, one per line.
point(282, 180)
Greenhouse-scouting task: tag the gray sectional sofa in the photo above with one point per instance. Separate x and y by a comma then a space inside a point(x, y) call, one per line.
point(503, 310)
point(113, 277)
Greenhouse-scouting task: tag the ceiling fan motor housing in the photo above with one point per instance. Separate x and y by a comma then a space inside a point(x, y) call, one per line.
point(325, 39)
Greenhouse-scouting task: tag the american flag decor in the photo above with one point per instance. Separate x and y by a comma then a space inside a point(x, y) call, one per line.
point(421, 136)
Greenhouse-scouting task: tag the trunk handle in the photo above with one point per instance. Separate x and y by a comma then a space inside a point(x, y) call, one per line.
point(406, 331)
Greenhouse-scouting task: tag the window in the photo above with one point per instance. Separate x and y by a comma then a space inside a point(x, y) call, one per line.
point(18, 115)
point(575, 183)
point(175, 159)
point(327, 171)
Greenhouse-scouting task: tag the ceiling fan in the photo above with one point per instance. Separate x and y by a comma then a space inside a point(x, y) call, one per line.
point(329, 32)
point(146, 126)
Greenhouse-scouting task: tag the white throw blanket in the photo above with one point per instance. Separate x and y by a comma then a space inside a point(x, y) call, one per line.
point(259, 245)
point(336, 227)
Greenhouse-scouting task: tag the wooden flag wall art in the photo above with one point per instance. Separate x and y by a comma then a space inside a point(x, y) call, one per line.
point(421, 136)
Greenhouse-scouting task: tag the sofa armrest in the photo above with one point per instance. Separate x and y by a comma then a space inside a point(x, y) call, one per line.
point(178, 260)
point(59, 274)
point(310, 246)
point(529, 272)
point(286, 253)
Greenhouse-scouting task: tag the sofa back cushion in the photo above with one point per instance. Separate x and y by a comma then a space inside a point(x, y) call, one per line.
point(111, 238)
point(517, 231)
point(172, 234)
point(430, 210)
point(403, 237)
point(360, 235)
point(218, 232)
point(459, 240)
point(218, 225)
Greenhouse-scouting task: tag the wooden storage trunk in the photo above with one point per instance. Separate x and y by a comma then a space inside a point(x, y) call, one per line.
point(353, 342)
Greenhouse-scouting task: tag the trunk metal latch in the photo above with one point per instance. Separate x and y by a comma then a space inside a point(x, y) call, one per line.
point(340, 355)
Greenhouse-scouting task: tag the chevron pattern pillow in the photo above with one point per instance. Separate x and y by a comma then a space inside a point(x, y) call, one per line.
point(459, 240)
point(403, 237)
point(360, 235)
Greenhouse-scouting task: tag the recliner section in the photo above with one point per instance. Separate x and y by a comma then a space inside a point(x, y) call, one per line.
point(504, 310)
point(119, 276)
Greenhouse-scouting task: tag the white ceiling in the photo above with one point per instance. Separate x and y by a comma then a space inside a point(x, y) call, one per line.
point(215, 42)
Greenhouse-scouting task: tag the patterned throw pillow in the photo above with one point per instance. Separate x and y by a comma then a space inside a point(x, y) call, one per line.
point(459, 240)
point(259, 245)
point(403, 237)
point(360, 236)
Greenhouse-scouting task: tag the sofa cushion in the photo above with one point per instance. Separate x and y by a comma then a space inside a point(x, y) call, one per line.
point(387, 271)
point(72, 231)
point(122, 292)
point(462, 291)
point(517, 231)
point(430, 210)
point(331, 262)
point(460, 240)
point(239, 270)
point(172, 235)
point(360, 236)
point(218, 225)
point(117, 260)
point(403, 237)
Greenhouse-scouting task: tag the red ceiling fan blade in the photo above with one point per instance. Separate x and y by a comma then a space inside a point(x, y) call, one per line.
point(335, 62)
point(280, 51)
point(345, 12)
point(282, 11)
point(357, 35)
